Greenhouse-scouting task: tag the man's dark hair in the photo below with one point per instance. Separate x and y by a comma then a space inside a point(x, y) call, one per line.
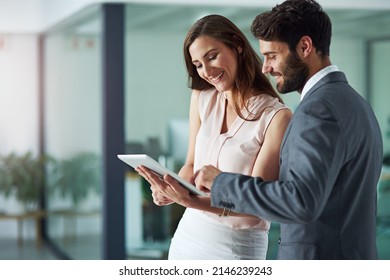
point(293, 19)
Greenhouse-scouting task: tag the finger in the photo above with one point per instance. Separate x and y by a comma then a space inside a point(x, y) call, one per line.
point(152, 176)
point(204, 189)
point(169, 180)
point(142, 173)
point(193, 177)
point(174, 185)
point(148, 175)
point(161, 200)
point(198, 179)
point(159, 194)
point(199, 183)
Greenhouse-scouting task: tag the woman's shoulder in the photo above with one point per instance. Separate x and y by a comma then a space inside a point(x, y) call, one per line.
point(263, 101)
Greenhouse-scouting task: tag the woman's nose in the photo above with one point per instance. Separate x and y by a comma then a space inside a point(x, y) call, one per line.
point(207, 70)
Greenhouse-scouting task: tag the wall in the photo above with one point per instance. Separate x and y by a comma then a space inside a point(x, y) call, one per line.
point(18, 93)
point(18, 106)
point(156, 84)
point(73, 94)
point(21, 16)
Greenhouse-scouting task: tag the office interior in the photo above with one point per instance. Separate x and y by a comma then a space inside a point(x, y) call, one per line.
point(93, 79)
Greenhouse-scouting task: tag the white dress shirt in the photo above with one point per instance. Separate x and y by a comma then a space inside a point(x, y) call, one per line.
point(316, 77)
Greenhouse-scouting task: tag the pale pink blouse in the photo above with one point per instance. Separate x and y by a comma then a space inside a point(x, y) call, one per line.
point(237, 149)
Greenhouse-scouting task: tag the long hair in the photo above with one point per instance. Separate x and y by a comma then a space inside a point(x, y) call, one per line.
point(249, 80)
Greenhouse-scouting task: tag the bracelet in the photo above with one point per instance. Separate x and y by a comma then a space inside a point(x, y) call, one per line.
point(225, 213)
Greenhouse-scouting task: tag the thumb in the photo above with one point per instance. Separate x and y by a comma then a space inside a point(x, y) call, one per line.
point(193, 177)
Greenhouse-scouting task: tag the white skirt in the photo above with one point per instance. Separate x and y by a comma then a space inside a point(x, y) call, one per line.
point(199, 237)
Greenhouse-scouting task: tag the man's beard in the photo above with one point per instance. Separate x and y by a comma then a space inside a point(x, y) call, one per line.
point(295, 74)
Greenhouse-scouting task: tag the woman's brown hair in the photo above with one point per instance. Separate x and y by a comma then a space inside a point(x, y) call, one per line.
point(249, 80)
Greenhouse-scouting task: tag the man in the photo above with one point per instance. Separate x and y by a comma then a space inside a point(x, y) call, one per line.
point(331, 154)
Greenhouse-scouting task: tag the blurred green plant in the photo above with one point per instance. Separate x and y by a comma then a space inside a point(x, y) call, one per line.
point(23, 175)
point(26, 175)
point(77, 176)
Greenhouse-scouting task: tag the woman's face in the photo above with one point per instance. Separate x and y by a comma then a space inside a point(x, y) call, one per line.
point(215, 62)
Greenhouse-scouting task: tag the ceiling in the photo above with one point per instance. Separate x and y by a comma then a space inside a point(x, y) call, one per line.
point(360, 23)
point(350, 17)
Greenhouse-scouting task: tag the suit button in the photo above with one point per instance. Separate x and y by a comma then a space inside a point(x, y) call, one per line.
point(280, 240)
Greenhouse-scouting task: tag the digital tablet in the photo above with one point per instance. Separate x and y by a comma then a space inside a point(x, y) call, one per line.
point(135, 160)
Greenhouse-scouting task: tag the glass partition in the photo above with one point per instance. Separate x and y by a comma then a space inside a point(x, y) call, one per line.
point(380, 98)
point(380, 86)
point(73, 135)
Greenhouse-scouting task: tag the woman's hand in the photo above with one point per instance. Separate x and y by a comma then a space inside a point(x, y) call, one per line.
point(158, 198)
point(166, 189)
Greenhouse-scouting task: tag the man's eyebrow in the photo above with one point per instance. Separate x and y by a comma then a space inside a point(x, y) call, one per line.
point(269, 52)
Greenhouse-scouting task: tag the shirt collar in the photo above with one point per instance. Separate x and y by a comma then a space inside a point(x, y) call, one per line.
point(316, 77)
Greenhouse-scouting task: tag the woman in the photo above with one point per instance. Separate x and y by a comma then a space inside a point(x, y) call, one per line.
point(237, 122)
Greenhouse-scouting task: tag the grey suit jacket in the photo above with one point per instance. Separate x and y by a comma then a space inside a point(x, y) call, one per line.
point(330, 163)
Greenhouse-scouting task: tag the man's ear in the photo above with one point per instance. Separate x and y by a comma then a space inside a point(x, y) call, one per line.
point(304, 47)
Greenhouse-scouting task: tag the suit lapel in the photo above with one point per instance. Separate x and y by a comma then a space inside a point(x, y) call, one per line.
point(330, 78)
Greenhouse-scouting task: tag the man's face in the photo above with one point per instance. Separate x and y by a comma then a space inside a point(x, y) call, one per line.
point(289, 71)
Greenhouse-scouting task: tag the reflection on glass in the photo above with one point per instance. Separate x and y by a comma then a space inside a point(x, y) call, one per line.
point(73, 129)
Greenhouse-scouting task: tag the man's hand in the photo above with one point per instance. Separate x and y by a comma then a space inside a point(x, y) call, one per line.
point(204, 177)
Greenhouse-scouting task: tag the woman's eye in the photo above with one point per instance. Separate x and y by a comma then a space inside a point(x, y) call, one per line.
point(212, 57)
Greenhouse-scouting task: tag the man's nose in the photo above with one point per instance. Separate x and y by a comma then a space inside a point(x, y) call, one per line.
point(266, 68)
